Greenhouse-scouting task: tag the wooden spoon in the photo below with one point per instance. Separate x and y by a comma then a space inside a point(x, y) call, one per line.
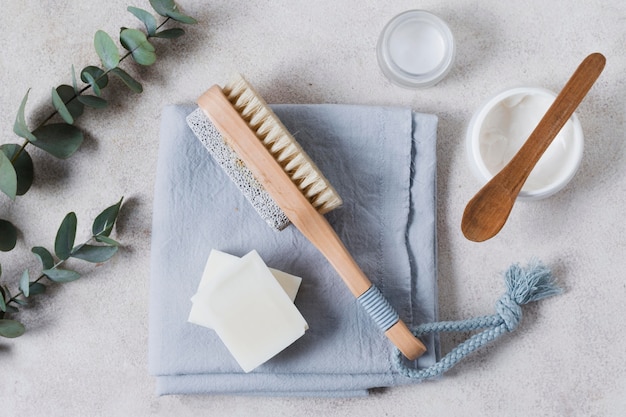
point(486, 213)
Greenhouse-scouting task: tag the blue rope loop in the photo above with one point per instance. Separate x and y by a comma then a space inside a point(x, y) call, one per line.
point(524, 285)
point(375, 303)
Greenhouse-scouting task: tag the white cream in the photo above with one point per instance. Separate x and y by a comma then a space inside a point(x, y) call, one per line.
point(504, 124)
point(249, 306)
point(415, 49)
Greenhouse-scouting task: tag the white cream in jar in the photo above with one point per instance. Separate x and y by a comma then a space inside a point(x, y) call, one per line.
point(500, 128)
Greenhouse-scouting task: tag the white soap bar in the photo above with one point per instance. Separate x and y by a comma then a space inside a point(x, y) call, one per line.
point(216, 264)
point(250, 311)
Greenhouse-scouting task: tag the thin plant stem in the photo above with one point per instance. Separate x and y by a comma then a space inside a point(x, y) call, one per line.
point(42, 276)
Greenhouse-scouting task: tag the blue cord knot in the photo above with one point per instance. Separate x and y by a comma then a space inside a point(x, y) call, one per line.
point(523, 286)
point(510, 311)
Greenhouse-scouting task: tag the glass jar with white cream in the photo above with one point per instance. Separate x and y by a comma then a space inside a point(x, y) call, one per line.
point(502, 125)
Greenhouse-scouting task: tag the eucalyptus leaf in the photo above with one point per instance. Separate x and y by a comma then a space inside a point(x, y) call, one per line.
point(64, 241)
point(94, 84)
point(11, 328)
point(23, 165)
point(47, 261)
point(106, 50)
point(103, 223)
point(19, 127)
point(130, 82)
point(7, 292)
point(61, 275)
point(170, 33)
point(59, 139)
point(182, 18)
point(68, 95)
point(37, 288)
point(3, 304)
point(148, 20)
point(94, 254)
point(8, 236)
point(93, 101)
point(58, 104)
point(12, 309)
point(107, 240)
point(163, 6)
point(24, 283)
point(136, 42)
point(101, 78)
point(8, 177)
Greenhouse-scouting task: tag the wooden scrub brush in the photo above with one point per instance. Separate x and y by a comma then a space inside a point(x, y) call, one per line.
point(296, 186)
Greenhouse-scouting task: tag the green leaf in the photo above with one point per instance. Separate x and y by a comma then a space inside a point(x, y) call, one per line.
point(68, 95)
point(93, 101)
point(6, 292)
point(107, 240)
point(11, 328)
point(103, 223)
point(8, 236)
point(24, 283)
point(64, 241)
point(101, 78)
point(148, 20)
point(94, 84)
point(20, 302)
point(23, 166)
point(127, 79)
point(59, 139)
point(182, 18)
point(19, 127)
point(136, 42)
point(37, 288)
point(3, 304)
point(163, 6)
point(47, 261)
point(94, 254)
point(12, 309)
point(106, 50)
point(8, 177)
point(58, 104)
point(61, 275)
point(170, 33)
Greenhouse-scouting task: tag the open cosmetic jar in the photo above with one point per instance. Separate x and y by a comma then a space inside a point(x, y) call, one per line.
point(415, 49)
point(501, 126)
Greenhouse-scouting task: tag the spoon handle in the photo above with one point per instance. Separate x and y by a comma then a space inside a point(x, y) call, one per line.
point(487, 212)
point(515, 173)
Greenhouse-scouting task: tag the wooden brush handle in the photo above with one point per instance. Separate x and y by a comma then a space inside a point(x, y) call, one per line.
point(298, 209)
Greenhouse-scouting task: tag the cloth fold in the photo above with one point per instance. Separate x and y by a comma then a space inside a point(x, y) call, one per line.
point(382, 161)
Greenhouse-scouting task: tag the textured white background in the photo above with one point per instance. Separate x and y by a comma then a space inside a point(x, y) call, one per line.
point(85, 353)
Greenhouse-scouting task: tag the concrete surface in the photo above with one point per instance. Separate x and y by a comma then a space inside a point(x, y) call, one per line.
point(85, 352)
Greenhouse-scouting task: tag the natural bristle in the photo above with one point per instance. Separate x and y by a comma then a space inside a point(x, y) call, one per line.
point(282, 145)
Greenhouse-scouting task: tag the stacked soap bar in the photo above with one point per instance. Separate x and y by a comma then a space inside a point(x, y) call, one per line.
point(249, 305)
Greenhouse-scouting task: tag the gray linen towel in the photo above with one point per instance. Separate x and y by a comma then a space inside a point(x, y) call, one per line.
point(382, 161)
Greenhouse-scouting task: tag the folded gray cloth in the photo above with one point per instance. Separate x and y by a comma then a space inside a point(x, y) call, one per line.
point(382, 162)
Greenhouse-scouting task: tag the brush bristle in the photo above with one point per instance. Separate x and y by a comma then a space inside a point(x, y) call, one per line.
point(282, 145)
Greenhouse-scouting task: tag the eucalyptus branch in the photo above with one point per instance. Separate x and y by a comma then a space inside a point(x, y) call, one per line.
point(98, 248)
point(63, 139)
point(74, 96)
